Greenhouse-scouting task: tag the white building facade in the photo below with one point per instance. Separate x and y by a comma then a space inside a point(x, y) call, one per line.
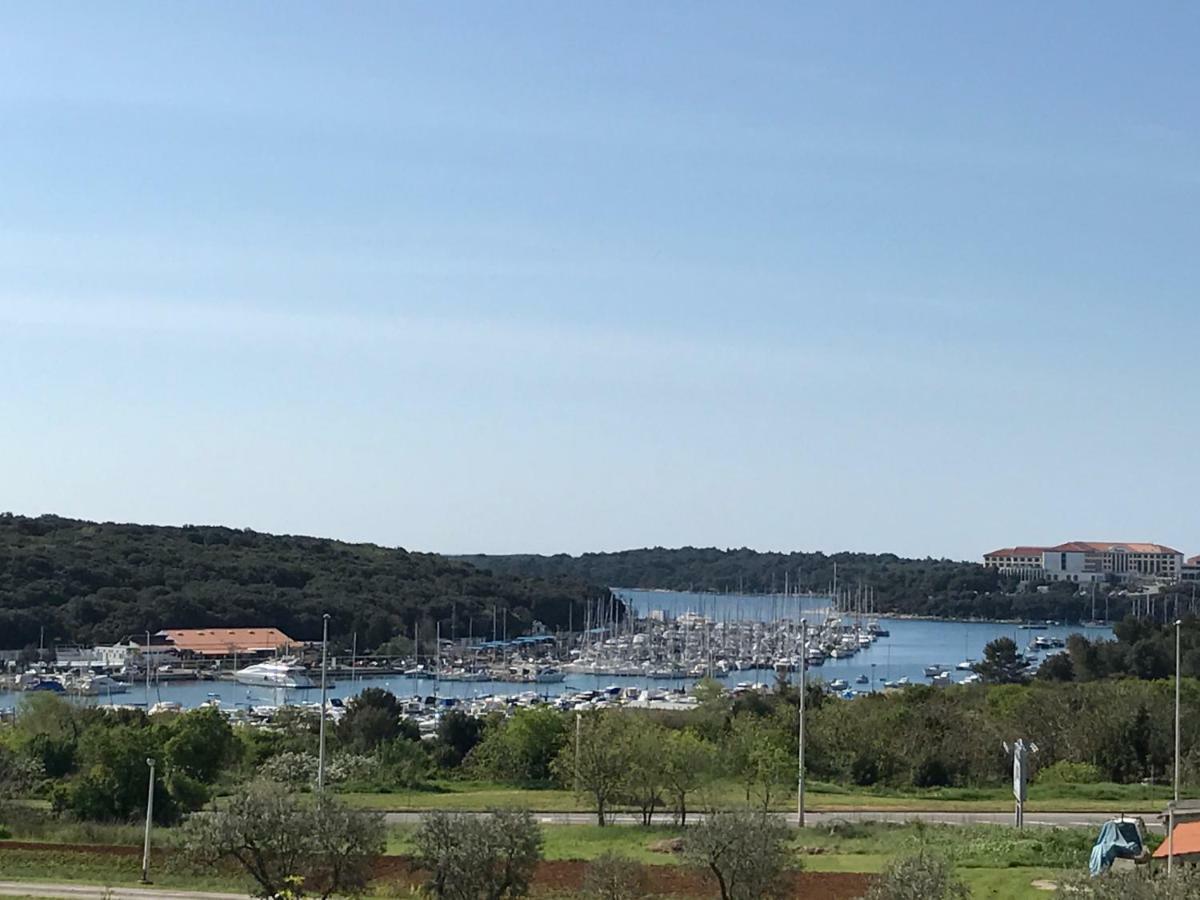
point(1089, 561)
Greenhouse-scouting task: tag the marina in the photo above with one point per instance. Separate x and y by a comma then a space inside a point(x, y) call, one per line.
point(672, 640)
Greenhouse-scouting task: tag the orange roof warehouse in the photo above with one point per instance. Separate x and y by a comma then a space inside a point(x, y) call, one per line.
point(219, 642)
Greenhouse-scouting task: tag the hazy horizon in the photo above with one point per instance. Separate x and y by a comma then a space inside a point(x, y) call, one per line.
point(916, 279)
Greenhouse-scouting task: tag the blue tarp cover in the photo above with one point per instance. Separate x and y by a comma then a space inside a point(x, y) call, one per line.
point(1118, 840)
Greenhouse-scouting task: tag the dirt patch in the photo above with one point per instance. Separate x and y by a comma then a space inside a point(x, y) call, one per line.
point(566, 877)
point(554, 876)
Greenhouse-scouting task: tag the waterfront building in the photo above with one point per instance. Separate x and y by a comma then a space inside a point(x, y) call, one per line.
point(216, 643)
point(1091, 561)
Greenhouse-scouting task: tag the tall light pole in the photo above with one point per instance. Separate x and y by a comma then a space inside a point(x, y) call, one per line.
point(1175, 791)
point(149, 817)
point(324, 669)
point(800, 753)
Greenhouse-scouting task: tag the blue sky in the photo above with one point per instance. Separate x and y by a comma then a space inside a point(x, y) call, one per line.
point(566, 277)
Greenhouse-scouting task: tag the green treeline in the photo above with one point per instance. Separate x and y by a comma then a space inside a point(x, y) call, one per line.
point(731, 750)
point(86, 582)
point(932, 587)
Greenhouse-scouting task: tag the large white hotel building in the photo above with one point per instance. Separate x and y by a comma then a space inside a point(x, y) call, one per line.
point(1088, 561)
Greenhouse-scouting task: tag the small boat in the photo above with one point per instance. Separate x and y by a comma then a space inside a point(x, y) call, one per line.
point(933, 671)
point(862, 679)
point(966, 665)
point(839, 684)
point(941, 678)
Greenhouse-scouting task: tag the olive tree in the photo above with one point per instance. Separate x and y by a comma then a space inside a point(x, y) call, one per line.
point(919, 877)
point(283, 844)
point(689, 764)
point(597, 762)
point(472, 857)
point(745, 853)
point(613, 877)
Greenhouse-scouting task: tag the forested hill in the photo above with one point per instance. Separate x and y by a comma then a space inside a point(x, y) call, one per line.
point(89, 582)
point(939, 587)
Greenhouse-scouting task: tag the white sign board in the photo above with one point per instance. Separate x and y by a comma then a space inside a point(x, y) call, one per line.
point(1020, 775)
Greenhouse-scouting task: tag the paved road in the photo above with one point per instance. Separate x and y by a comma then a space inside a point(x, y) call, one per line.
point(92, 892)
point(1069, 819)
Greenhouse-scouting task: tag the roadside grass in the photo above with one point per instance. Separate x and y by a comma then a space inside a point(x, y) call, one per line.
point(109, 869)
point(482, 795)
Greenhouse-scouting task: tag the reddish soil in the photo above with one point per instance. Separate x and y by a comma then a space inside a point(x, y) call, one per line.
point(564, 876)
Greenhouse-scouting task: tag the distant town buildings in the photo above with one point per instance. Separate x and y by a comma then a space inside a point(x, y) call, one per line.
point(1092, 561)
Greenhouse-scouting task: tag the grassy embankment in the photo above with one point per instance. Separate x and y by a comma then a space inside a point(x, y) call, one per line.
point(475, 795)
point(999, 863)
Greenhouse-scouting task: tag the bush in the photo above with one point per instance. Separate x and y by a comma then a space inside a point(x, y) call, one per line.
point(471, 857)
point(295, 770)
point(920, 877)
point(281, 842)
point(1183, 885)
point(744, 852)
point(1065, 772)
point(614, 877)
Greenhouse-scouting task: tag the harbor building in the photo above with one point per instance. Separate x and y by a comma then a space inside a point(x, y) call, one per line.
point(224, 642)
point(1090, 561)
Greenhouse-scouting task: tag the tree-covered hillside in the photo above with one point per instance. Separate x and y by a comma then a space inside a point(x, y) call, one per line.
point(88, 582)
point(936, 587)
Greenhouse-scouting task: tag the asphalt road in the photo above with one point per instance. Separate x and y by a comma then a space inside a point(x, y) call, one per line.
point(1064, 820)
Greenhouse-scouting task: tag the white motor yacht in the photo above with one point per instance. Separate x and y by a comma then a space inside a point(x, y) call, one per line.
point(277, 673)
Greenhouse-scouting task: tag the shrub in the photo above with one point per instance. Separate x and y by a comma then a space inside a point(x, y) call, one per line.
point(295, 770)
point(614, 877)
point(744, 852)
point(285, 845)
point(473, 857)
point(1183, 885)
point(1065, 772)
point(920, 877)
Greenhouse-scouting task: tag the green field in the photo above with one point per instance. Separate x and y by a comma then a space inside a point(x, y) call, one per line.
point(996, 861)
point(480, 796)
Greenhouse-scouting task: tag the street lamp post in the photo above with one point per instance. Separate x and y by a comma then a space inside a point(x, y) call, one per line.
point(1175, 790)
point(800, 753)
point(149, 817)
point(324, 669)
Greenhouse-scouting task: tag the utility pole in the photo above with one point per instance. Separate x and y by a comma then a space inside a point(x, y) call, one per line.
point(800, 754)
point(324, 669)
point(149, 817)
point(578, 736)
point(146, 662)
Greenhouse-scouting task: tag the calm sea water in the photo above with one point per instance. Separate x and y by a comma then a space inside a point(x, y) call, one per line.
point(912, 645)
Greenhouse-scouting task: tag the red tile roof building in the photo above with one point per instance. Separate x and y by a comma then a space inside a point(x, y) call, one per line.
point(225, 641)
point(1086, 561)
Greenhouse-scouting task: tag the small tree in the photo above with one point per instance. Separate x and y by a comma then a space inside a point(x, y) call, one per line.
point(479, 857)
point(372, 718)
point(613, 877)
point(597, 762)
point(758, 758)
point(285, 845)
point(745, 853)
point(688, 765)
point(646, 778)
point(1002, 663)
point(920, 877)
